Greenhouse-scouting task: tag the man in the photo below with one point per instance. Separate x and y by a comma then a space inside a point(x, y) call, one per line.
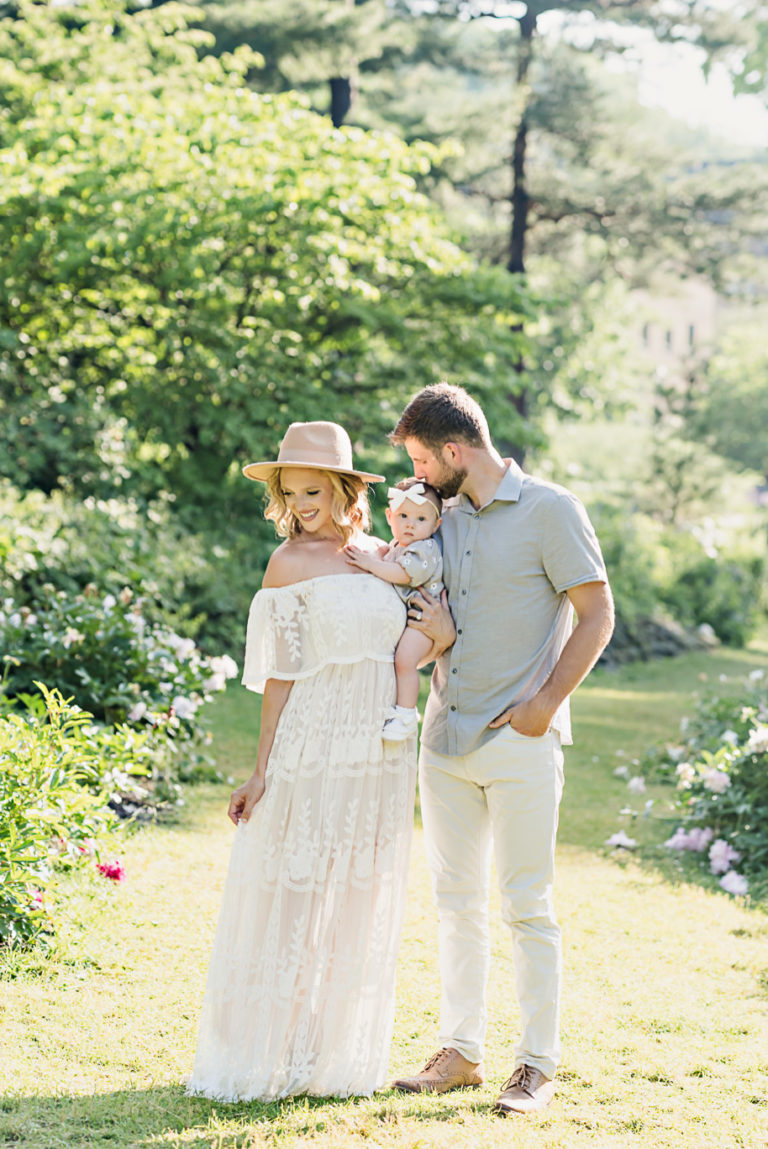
point(519, 556)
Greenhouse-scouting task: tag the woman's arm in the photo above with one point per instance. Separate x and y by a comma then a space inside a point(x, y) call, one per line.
point(246, 796)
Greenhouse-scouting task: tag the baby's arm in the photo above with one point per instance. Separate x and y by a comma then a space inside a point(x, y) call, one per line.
point(386, 569)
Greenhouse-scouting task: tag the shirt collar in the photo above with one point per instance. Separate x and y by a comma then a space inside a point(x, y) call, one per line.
point(508, 490)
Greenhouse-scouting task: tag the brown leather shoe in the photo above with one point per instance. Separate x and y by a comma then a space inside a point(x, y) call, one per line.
point(527, 1091)
point(446, 1070)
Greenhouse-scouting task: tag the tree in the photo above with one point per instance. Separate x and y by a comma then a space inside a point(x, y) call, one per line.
point(189, 265)
point(731, 408)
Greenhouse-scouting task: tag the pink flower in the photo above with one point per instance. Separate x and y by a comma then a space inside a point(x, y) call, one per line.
point(721, 855)
point(699, 838)
point(696, 839)
point(114, 870)
point(734, 883)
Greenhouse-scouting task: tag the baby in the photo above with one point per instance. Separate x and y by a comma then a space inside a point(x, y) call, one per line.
point(413, 561)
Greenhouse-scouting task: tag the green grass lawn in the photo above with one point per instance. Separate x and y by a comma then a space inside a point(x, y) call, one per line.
point(665, 1018)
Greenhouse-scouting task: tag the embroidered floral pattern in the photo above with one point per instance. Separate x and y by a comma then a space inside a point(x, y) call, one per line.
point(300, 993)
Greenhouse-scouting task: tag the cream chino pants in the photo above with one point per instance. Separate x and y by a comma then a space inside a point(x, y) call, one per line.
point(504, 796)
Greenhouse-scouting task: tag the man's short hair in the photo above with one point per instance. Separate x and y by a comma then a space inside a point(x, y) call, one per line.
point(442, 414)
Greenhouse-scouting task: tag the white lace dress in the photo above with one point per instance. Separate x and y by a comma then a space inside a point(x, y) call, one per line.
point(300, 991)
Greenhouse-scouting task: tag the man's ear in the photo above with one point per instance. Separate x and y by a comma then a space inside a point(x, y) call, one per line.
point(452, 454)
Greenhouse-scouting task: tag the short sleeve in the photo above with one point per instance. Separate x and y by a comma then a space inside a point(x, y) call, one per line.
point(422, 561)
point(570, 551)
point(279, 640)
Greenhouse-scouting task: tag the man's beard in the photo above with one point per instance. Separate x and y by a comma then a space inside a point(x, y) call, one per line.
point(449, 483)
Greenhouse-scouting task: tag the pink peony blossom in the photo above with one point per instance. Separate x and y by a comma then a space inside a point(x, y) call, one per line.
point(113, 870)
point(699, 838)
point(696, 839)
point(621, 840)
point(721, 855)
point(734, 883)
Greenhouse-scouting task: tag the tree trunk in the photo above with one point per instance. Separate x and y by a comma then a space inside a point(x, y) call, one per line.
point(341, 99)
point(520, 399)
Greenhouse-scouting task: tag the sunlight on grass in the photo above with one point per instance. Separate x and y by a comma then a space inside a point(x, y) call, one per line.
point(665, 1016)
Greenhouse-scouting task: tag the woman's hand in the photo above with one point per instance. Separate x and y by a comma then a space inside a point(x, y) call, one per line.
point(244, 798)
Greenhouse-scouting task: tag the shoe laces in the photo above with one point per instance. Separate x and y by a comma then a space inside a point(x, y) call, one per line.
point(523, 1077)
point(436, 1058)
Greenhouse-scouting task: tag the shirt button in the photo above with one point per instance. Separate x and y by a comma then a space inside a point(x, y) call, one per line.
point(455, 670)
point(463, 592)
point(469, 552)
point(453, 708)
point(459, 631)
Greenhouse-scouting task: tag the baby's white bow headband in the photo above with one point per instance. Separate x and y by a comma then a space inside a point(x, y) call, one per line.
point(397, 496)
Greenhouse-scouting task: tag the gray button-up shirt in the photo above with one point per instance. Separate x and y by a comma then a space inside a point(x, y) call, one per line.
point(507, 566)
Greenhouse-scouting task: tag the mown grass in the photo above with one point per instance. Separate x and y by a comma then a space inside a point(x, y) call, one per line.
point(666, 994)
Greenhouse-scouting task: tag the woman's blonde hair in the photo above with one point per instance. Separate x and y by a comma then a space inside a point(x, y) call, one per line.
point(349, 506)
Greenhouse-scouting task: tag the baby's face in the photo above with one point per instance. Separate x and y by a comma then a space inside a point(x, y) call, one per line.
point(412, 521)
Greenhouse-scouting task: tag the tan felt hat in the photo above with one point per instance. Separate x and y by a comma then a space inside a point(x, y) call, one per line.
point(325, 446)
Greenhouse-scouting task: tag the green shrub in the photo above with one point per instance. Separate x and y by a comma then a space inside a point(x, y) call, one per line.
point(184, 580)
point(723, 592)
point(143, 679)
point(54, 805)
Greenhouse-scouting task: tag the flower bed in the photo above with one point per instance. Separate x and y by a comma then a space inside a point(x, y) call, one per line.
point(719, 770)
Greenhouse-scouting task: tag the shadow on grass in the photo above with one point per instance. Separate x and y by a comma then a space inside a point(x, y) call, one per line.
point(132, 1119)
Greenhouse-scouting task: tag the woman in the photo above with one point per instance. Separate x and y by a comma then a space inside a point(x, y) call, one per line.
point(300, 992)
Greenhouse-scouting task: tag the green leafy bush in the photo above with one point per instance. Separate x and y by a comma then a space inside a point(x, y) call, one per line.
point(54, 805)
point(184, 580)
point(724, 592)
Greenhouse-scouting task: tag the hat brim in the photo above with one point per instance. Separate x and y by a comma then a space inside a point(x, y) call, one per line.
point(260, 472)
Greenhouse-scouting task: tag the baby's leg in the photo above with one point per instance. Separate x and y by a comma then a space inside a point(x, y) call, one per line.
point(410, 650)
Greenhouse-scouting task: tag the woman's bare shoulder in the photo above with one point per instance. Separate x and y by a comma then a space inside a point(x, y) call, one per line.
point(287, 564)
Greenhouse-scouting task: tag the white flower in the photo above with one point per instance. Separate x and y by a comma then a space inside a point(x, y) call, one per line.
point(214, 683)
point(636, 785)
point(721, 855)
point(71, 636)
point(622, 840)
point(716, 780)
point(678, 841)
point(757, 743)
point(756, 675)
point(30, 620)
point(685, 773)
point(137, 712)
point(183, 707)
point(730, 736)
point(108, 603)
point(184, 647)
point(621, 772)
point(225, 665)
point(734, 883)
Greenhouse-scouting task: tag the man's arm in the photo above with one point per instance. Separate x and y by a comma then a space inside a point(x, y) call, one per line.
point(593, 604)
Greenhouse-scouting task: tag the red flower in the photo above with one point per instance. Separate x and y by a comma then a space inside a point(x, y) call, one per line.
point(113, 870)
